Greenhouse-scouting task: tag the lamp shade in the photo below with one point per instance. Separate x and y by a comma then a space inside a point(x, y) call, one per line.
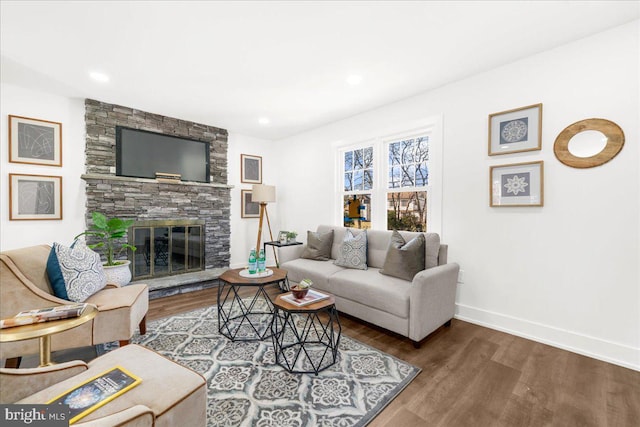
point(261, 193)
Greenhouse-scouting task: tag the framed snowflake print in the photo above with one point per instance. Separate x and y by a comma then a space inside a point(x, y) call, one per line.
point(518, 184)
point(515, 131)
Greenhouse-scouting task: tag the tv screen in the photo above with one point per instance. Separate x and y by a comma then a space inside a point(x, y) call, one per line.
point(141, 154)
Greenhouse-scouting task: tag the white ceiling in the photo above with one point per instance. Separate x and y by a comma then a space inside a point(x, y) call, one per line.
point(227, 64)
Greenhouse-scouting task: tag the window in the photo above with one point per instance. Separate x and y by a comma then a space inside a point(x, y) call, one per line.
point(387, 182)
point(407, 163)
point(358, 182)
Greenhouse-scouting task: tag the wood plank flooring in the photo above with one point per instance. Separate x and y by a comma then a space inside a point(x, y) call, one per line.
point(475, 376)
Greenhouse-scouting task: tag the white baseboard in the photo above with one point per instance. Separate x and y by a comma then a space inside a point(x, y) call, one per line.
point(597, 348)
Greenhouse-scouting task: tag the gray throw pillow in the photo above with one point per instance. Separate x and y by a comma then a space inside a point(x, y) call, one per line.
point(318, 246)
point(404, 259)
point(353, 252)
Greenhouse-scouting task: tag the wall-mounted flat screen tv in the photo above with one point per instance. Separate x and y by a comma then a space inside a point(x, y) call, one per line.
point(141, 154)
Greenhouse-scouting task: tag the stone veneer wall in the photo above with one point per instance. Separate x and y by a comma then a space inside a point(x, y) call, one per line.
point(147, 199)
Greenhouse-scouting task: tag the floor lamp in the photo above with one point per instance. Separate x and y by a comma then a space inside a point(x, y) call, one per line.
point(264, 194)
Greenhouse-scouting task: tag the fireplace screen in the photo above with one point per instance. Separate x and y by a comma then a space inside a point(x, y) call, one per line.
point(166, 247)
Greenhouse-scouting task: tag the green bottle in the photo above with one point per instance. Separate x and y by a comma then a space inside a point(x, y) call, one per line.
point(252, 262)
point(262, 262)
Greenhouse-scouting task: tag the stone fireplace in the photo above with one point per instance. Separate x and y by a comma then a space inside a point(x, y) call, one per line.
point(195, 207)
point(166, 247)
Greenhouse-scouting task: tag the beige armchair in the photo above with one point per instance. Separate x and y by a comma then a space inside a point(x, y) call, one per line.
point(24, 285)
point(169, 394)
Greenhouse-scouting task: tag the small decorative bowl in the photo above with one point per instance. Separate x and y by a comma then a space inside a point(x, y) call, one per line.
point(299, 293)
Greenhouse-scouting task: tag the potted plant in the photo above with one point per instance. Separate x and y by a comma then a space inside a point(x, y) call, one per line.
point(291, 236)
point(108, 232)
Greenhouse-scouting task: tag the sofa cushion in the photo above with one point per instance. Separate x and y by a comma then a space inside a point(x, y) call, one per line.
point(317, 271)
point(367, 287)
point(353, 252)
point(318, 245)
point(75, 272)
point(404, 259)
point(338, 237)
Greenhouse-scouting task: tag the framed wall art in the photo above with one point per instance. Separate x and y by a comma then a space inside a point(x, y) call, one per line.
point(515, 131)
point(518, 184)
point(34, 141)
point(250, 169)
point(249, 209)
point(33, 197)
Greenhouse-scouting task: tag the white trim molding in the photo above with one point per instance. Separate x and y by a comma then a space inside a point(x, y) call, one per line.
point(597, 348)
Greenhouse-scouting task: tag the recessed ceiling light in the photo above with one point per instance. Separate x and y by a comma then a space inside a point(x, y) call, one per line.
point(354, 79)
point(264, 121)
point(99, 77)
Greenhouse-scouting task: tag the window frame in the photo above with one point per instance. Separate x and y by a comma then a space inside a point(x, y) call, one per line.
point(380, 140)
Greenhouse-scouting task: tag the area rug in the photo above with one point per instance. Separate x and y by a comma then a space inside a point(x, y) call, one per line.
point(246, 387)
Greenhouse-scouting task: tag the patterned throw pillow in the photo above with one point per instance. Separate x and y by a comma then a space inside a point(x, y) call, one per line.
point(404, 259)
point(353, 252)
point(75, 272)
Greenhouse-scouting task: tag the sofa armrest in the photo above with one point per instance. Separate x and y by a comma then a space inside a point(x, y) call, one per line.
point(289, 253)
point(20, 383)
point(433, 298)
point(135, 416)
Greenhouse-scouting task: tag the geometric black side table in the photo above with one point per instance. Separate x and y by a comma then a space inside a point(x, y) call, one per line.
point(247, 319)
point(305, 339)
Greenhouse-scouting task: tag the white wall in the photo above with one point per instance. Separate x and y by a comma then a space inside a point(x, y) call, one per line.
point(70, 112)
point(244, 231)
point(566, 273)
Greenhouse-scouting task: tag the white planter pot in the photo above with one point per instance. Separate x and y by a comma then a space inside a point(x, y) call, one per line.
point(119, 274)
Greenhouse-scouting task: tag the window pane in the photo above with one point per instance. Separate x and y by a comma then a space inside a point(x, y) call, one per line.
point(408, 174)
point(358, 161)
point(407, 211)
point(348, 161)
point(357, 180)
point(348, 181)
point(357, 211)
point(407, 151)
point(394, 177)
point(368, 157)
point(368, 179)
point(394, 153)
point(422, 175)
point(422, 149)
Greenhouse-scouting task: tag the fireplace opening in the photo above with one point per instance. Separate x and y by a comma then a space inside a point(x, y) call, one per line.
point(166, 247)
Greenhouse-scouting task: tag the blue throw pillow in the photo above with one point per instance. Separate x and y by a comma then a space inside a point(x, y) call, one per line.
point(55, 275)
point(76, 272)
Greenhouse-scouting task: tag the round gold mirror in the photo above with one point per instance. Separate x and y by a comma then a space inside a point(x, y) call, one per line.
point(589, 143)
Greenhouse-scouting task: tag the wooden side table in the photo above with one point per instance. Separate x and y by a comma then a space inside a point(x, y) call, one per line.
point(305, 339)
point(44, 330)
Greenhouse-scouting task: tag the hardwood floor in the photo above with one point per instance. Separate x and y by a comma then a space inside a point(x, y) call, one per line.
point(475, 376)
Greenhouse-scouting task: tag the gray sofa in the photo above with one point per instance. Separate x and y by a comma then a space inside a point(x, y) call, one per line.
point(410, 308)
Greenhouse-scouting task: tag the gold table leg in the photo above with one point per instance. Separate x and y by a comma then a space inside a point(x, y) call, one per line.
point(45, 351)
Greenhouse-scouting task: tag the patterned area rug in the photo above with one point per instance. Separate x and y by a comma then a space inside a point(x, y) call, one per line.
point(246, 387)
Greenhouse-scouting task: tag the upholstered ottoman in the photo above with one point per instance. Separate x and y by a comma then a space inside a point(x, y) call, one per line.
point(172, 394)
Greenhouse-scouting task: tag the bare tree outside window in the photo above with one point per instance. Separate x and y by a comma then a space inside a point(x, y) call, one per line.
point(407, 210)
